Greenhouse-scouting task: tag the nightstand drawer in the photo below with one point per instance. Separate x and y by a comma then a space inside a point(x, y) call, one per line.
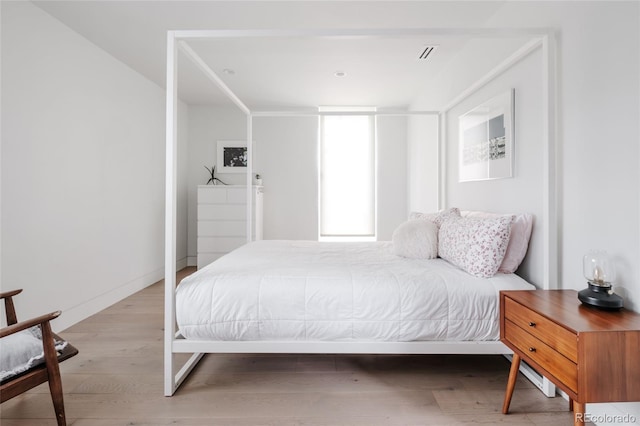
point(557, 365)
point(553, 335)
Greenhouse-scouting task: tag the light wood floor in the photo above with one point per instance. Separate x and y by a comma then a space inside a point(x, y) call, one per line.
point(117, 380)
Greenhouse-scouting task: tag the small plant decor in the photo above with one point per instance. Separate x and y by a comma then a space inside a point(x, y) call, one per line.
point(213, 179)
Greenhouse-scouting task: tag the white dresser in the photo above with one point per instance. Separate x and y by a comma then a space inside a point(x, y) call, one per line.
point(222, 219)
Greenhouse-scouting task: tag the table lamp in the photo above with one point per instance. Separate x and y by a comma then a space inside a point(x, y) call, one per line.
point(600, 273)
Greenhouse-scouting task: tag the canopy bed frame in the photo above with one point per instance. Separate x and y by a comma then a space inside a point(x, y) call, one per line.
point(178, 40)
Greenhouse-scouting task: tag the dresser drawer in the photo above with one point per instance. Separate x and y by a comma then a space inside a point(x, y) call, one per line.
point(220, 244)
point(222, 212)
point(553, 335)
point(548, 358)
point(222, 228)
point(212, 195)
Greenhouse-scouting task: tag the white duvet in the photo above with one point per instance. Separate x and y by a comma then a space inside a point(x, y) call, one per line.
point(304, 290)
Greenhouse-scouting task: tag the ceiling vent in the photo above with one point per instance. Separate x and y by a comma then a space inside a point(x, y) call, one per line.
point(426, 51)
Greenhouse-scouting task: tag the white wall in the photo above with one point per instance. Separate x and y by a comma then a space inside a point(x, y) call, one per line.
point(392, 133)
point(423, 164)
point(285, 156)
point(82, 170)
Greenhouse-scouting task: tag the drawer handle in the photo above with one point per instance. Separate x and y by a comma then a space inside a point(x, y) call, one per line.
point(532, 324)
point(532, 349)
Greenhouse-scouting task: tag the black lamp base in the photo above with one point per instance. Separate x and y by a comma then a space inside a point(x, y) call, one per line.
point(600, 297)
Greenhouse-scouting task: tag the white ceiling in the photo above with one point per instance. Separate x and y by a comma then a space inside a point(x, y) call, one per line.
point(300, 72)
point(291, 72)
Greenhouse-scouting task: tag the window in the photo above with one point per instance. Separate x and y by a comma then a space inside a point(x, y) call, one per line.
point(347, 177)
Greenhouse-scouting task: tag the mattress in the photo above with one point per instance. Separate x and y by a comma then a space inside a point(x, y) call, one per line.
point(317, 291)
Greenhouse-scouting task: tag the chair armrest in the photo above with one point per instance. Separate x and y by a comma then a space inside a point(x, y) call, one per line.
point(11, 293)
point(10, 310)
point(23, 325)
point(39, 373)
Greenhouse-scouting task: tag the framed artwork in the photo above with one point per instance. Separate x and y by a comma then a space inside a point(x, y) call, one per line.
point(232, 157)
point(486, 140)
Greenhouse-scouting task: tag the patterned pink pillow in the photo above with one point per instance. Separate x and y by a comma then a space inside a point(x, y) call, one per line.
point(518, 240)
point(475, 245)
point(437, 217)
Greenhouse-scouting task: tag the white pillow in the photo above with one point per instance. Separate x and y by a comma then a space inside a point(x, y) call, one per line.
point(22, 350)
point(475, 245)
point(19, 352)
point(518, 241)
point(437, 217)
point(416, 239)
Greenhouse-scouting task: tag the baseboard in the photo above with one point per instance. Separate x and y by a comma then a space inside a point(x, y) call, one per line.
point(538, 380)
point(192, 260)
point(83, 311)
point(182, 263)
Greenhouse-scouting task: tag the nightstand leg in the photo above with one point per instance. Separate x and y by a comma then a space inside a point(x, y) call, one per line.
point(511, 384)
point(578, 413)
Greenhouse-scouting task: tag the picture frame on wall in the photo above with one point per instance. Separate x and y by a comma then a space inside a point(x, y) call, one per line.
point(486, 140)
point(232, 157)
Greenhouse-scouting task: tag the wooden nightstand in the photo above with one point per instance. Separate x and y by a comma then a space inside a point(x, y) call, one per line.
point(591, 354)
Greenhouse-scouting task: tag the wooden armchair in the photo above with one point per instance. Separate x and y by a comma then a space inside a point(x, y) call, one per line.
point(38, 374)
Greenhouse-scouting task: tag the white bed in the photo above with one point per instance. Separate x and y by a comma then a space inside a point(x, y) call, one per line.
point(337, 292)
point(375, 297)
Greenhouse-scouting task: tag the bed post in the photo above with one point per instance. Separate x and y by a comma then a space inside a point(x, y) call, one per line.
point(442, 158)
point(550, 191)
point(249, 178)
point(170, 216)
point(173, 379)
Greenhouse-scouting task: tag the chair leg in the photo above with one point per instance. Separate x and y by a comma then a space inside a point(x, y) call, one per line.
point(53, 371)
point(55, 386)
